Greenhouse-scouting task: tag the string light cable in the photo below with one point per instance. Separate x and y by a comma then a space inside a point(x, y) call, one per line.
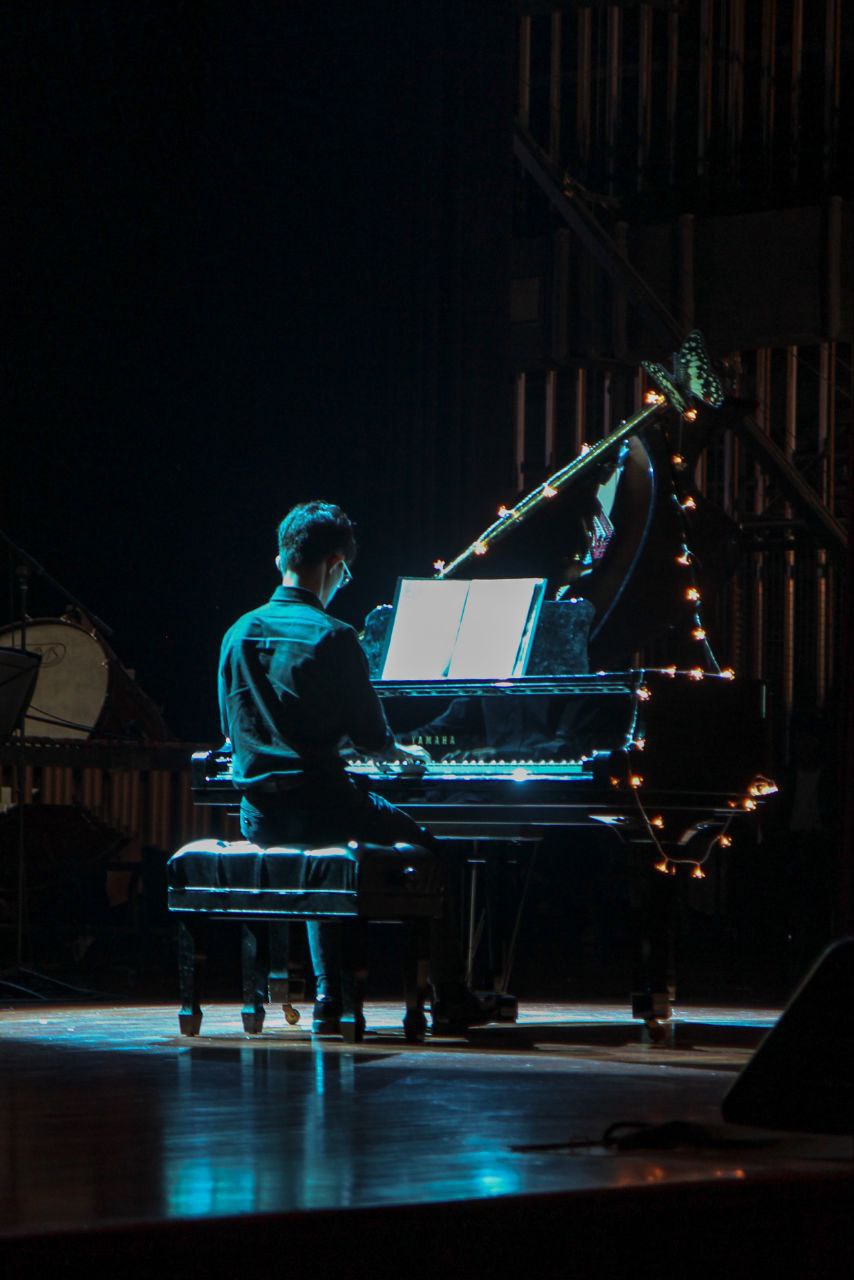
point(668, 863)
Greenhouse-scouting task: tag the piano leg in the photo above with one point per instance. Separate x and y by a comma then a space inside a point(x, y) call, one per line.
point(653, 897)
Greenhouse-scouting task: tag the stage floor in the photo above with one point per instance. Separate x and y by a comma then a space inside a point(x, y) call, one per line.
point(114, 1122)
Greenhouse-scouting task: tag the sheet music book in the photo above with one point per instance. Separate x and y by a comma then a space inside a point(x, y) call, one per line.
point(459, 629)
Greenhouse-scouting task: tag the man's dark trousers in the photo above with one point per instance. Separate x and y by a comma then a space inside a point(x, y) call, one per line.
point(333, 812)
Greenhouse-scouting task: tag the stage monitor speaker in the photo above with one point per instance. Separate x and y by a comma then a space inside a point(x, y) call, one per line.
point(802, 1075)
point(18, 671)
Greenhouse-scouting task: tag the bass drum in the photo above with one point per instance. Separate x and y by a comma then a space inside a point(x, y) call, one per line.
point(82, 690)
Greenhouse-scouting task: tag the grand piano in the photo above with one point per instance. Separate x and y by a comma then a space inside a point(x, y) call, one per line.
point(666, 758)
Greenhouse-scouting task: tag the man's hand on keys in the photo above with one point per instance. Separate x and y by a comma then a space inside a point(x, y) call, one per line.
point(412, 759)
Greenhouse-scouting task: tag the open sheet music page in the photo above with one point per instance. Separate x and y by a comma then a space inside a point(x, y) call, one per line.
point(496, 628)
point(462, 629)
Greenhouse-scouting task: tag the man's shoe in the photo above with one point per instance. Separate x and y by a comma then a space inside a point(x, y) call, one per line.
point(326, 1020)
point(456, 1009)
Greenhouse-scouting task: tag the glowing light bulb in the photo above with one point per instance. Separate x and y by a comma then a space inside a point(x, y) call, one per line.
point(644, 693)
point(480, 548)
point(725, 841)
point(657, 821)
point(698, 873)
point(503, 511)
point(690, 415)
point(549, 491)
point(639, 744)
point(669, 671)
point(748, 803)
point(438, 565)
point(615, 782)
point(663, 866)
point(635, 781)
point(585, 448)
point(677, 461)
point(697, 673)
point(684, 558)
point(688, 504)
point(692, 593)
point(762, 787)
point(727, 674)
point(699, 633)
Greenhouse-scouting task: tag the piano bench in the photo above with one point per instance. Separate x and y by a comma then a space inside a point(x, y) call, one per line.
point(265, 890)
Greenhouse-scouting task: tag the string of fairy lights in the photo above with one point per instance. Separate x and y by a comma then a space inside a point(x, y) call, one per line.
point(633, 780)
point(509, 517)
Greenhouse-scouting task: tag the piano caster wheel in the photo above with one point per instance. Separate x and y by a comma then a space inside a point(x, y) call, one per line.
point(291, 1014)
point(190, 1024)
point(656, 1032)
point(253, 1021)
point(414, 1026)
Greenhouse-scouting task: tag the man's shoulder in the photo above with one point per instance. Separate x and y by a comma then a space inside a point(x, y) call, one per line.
point(341, 628)
point(267, 619)
point(247, 624)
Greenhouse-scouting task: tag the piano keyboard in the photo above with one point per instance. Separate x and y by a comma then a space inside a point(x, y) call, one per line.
point(473, 770)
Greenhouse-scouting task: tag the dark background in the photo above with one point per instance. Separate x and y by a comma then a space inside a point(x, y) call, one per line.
point(258, 255)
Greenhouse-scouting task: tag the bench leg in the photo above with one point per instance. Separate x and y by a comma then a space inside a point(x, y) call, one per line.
point(354, 977)
point(416, 971)
point(255, 956)
point(286, 979)
point(353, 983)
point(191, 960)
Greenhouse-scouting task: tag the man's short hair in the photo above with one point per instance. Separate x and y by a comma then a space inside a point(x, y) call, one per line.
point(312, 531)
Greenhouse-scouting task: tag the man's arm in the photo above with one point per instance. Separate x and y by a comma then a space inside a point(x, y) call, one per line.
point(222, 687)
point(365, 720)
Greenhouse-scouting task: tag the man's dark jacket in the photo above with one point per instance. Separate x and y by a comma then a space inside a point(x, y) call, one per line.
point(293, 689)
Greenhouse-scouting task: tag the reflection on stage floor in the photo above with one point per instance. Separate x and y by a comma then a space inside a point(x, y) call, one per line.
point(112, 1119)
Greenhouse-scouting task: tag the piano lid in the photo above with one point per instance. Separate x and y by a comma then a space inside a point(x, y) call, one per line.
point(609, 525)
point(612, 540)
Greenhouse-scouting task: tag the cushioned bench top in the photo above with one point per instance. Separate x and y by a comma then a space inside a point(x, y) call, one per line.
point(237, 878)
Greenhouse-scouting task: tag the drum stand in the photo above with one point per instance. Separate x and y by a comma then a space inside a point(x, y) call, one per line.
point(16, 690)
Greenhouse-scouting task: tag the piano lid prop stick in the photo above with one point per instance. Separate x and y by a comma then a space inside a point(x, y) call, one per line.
point(690, 382)
point(510, 517)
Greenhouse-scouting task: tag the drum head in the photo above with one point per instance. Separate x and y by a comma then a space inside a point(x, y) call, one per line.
point(71, 687)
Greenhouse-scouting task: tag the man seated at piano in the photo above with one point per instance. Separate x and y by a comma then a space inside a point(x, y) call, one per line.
point(294, 692)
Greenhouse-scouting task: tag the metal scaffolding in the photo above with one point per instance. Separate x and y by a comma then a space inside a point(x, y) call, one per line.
point(654, 123)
